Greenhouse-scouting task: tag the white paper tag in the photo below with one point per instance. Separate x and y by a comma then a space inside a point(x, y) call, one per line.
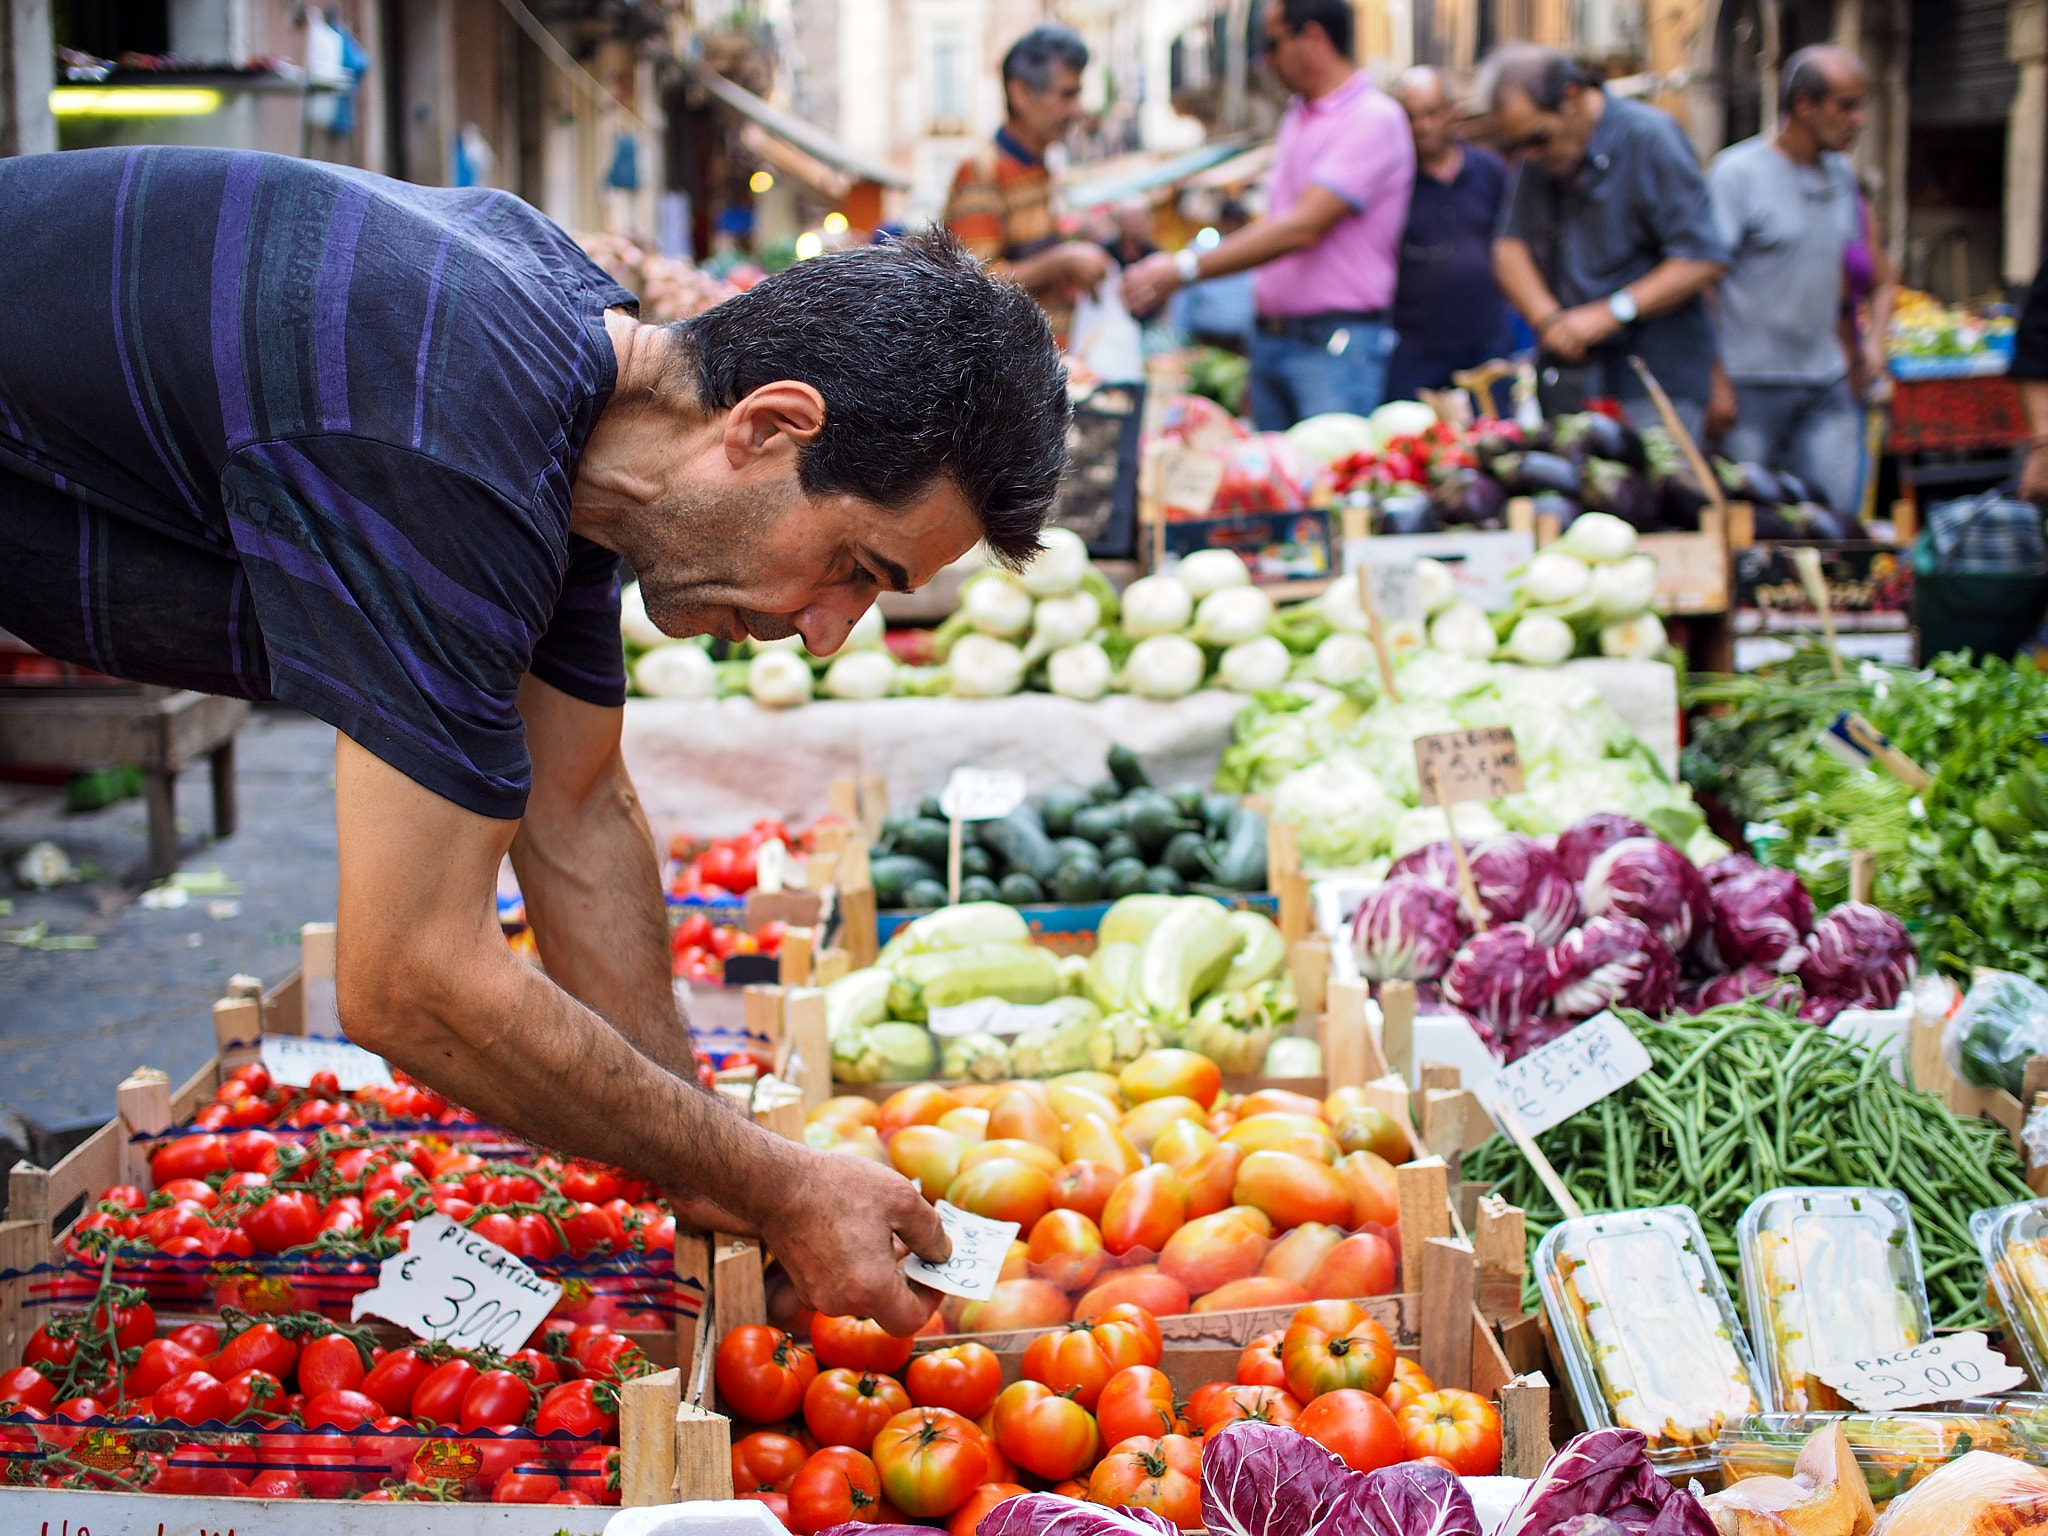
point(993, 1016)
point(1396, 591)
point(772, 865)
point(451, 1284)
point(1939, 1371)
point(1577, 1069)
point(982, 794)
point(292, 1060)
point(979, 1248)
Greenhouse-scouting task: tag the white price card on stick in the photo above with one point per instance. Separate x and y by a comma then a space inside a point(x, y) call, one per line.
point(293, 1059)
point(1573, 1072)
point(979, 1248)
point(451, 1284)
point(1939, 1371)
point(1477, 764)
point(981, 794)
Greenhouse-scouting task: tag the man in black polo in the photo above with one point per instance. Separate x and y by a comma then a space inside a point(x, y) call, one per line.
point(1608, 239)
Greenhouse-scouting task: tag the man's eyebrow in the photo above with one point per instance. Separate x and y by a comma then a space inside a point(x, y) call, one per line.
point(894, 574)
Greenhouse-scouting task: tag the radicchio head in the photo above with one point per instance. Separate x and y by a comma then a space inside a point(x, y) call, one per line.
point(1643, 878)
point(1520, 881)
point(1606, 1472)
point(1752, 981)
point(1050, 1514)
point(1579, 846)
point(1859, 957)
point(1433, 862)
point(1261, 1480)
point(1728, 867)
point(1761, 918)
point(1500, 981)
point(1407, 930)
point(1612, 962)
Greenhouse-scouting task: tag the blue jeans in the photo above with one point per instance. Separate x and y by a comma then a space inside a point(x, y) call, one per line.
point(1295, 378)
point(1814, 430)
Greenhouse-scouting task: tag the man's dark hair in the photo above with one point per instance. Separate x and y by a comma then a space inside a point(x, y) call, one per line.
point(1541, 74)
point(930, 368)
point(1333, 16)
point(1807, 77)
point(1035, 55)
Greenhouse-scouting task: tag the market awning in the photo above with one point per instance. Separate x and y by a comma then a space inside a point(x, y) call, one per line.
point(1133, 181)
point(806, 138)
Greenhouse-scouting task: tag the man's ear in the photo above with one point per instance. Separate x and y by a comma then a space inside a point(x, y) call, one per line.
point(787, 413)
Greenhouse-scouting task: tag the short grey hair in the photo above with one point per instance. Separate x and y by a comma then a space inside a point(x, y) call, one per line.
point(1808, 76)
point(1034, 56)
point(1539, 73)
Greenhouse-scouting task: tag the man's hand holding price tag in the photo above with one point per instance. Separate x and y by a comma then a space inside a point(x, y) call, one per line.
point(451, 1284)
point(292, 1060)
point(1939, 1371)
point(979, 1247)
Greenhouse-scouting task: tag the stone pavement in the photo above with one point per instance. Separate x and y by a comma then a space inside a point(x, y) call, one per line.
point(73, 1023)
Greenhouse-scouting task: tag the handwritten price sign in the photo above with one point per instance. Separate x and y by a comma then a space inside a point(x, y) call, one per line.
point(1939, 1371)
point(451, 1284)
point(982, 794)
point(979, 1248)
point(1479, 764)
point(1576, 1070)
point(293, 1059)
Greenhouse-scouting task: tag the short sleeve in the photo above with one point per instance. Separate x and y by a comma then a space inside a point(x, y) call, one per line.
point(1681, 212)
point(401, 602)
point(974, 210)
point(582, 653)
point(1725, 187)
point(1368, 162)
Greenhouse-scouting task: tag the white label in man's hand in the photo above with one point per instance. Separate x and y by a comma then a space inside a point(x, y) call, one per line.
point(1573, 1072)
point(982, 794)
point(451, 1284)
point(292, 1060)
point(1939, 1371)
point(979, 1248)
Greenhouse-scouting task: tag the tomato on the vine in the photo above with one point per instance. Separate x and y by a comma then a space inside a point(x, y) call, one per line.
point(44, 1348)
point(572, 1408)
point(496, 1400)
point(930, 1460)
point(259, 1347)
point(848, 1407)
point(836, 1485)
point(964, 1378)
point(287, 1220)
point(1163, 1475)
point(201, 1338)
point(342, 1408)
point(763, 1373)
point(526, 1485)
point(189, 1157)
point(596, 1473)
point(192, 1398)
point(161, 1361)
point(330, 1363)
point(393, 1380)
point(438, 1398)
point(1461, 1427)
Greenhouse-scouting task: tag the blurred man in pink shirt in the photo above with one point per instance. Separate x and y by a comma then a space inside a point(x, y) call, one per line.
point(1329, 245)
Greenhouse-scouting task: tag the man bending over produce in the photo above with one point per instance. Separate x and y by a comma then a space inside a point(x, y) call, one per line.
point(279, 429)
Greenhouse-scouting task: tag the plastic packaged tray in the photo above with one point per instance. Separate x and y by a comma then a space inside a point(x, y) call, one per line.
point(2014, 1242)
point(1893, 1450)
point(1829, 1275)
point(1649, 1336)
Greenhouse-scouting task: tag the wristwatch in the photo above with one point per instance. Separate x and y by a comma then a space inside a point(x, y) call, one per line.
point(1622, 305)
point(1187, 264)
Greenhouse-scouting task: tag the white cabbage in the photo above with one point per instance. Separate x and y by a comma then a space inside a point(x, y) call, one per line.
point(1342, 607)
point(1156, 605)
point(1079, 671)
point(1541, 640)
point(1056, 569)
point(1341, 811)
point(778, 678)
point(1402, 418)
point(1064, 621)
point(1598, 538)
point(1464, 630)
point(1443, 675)
point(1211, 570)
point(1554, 577)
point(863, 674)
point(1342, 658)
point(1165, 667)
point(1232, 614)
point(1439, 587)
point(1252, 666)
point(983, 667)
point(1332, 437)
point(996, 605)
point(1425, 824)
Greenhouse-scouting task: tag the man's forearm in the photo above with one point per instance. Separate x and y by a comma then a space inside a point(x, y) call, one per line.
point(2034, 401)
point(1671, 282)
point(1514, 268)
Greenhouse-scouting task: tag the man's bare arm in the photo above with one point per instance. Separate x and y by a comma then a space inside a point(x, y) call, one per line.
point(424, 978)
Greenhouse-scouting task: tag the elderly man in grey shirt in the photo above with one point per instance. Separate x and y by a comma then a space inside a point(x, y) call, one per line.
point(1607, 240)
point(1787, 206)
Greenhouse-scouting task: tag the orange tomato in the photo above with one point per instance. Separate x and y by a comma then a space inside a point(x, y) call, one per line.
point(1004, 1190)
point(1144, 1123)
point(1223, 1402)
point(1141, 1285)
point(1137, 1400)
point(1096, 1140)
point(1408, 1384)
point(1259, 1365)
point(1257, 1291)
point(1211, 1251)
point(927, 1154)
point(1163, 1475)
point(1181, 1145)
point(1333, 1344)
point(1303, 1135)
point(930, 1461)
point(964, 1378)
point(1279, 1101)
point(1070, 1101)
point(859, 1343)
point(1291, 1189)
point(1016, 1262)
point(970, 1126)
point(1460, 1427)
point(1015, 1305)
point(1355, 1427)
point(1172, 1074)
point(1079, 1360)
point(919, 1104)
point(967, 1518)
point(1065, 1249)
point(1211, 1179)
point(1296, 1255)
point(1364, 1264)
point(1024, 1117)
point(1009, 1148)
point(1144, 1210)
point(1370, 1181)
point(1084, 1187)
point(1044, 1433)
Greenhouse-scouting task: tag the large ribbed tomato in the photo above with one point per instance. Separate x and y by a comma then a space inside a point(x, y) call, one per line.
point(1355, 1427)
point(844, 1407)
point(1079, 1359)
point(930, 1460)
point(1043, 1432)
point(1163, 1475)
point(1460, 1427)
point(1333, 1344)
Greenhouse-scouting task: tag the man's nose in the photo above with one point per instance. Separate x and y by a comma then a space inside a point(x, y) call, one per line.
point(825, 626)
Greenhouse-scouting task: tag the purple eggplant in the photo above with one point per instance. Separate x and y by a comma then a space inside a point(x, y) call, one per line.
point(1525, 474)
point(1750, 482)
point(1409, 513)
point(1469, 499)
point(1821, 523)
point(1591, 435)
point(1615, 488)
point(1550, 504)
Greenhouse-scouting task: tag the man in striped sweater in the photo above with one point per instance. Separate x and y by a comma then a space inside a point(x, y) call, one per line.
point(279, 429)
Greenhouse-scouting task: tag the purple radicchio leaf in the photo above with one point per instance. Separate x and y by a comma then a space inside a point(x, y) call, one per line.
point(1578, 846)
point(1588, 1525)
point(1761, 918)
point(1500, 981)
point(1606, 1472)
point(1265, 1480)
point(1859, 957)
point(1049, 1514)
point(1519, 881)
point(1412, 1500)
point(1433, 862)
point(1652, 881)
point(1612, 962)
point(1407, 930)
point(1750, 981)
point(1730, 866)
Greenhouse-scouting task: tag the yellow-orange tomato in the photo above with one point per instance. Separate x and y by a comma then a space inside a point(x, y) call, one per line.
point(1170, 1074)
point(1022, 1117)
point(977, 1095)
point(970, 1126)
point(1144, 1210)
point(1065, 1249)
point(1343, 1100)
point(1255, 1291)
point(1296, 1255)
point(1279, 1101)
point(1096, 1140)
point(1367, 1129)
point(1303, 1135)
point(1084, 1187)
point(927, 1154)
point(1252, 1217)
point(1291, 1189)
point(1333, 1344)
point(1182, 1144)
point(919, 1104)
point(1016, 1304)
point(1071, 1101)
point(1364, 1264)
point(1016, 1261)
point(1103, 1083)
point(1142, 1285)
point(1077, 1361)
point(1409, 1383)
point(1461, 1427)
point(1004, 1190)
point(1137, 1400)
point(847, 1106)
point(1045, 1433)
point(1145, 1122)
point(1375, 1193)
point(1211, 1178)
point(1012, 1149)
point(1211, 1251)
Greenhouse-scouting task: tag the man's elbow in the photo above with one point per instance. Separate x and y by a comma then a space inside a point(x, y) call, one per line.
point(395, 1004)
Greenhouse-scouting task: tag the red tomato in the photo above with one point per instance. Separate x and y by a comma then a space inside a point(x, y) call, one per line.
point(128, 1196)
point(1136, 1402)
point(930, 1460)
point(1043, 1432)
point(836, 1485)
point(1459, 1427)
point(189, 1157)
point(596, 1473)
point(572, 1407)
point(162, 1361)
point(546, 1373)
point(1144, 1210)
point(1259, 1365)
point(200, 1469)
point(858, 1343)
point(1355, 1427)
point(278, 1485)
point(329, 1364)
point(1162, 1475)
point(964, 1378)
point(592, 1229)
point(496, 1400)
point(247, 1149)
point(966, 1520)
point(192, 1398)
point(26, 1387)
point(763, 1373)
point(524, 1485)
point(765, 1460)
point(1333, 1344)
point(438, 1399)
point(255, 1074)
point(259, 1347)
point(1077, 1360)
point(252, 1392)
point(777, 1504)
point(393, 1380)
point(284, 1221)
point(1222, 1403)
point(200, 1338)
point(846, 1407)
point(43, 1348)
point(1141, 1285)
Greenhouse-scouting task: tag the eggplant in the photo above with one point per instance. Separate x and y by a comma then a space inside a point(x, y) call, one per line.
point(1469, 499)
point(1408, 514)
point(1750, 482)
point(1489, 446)
point(1679, 503)
point(1592, 435)
point(1770, 523)
point(1552, 504)
point(1527, 473)
point(1797, 490)
point(1616, 489)
point(1825, 523)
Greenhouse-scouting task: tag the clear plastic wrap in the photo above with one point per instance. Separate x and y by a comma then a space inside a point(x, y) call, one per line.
point(1980, 1494)
point(1650, 1339)
point(1894, 1450)
point(1829, 1275)
point(2003, 1021)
